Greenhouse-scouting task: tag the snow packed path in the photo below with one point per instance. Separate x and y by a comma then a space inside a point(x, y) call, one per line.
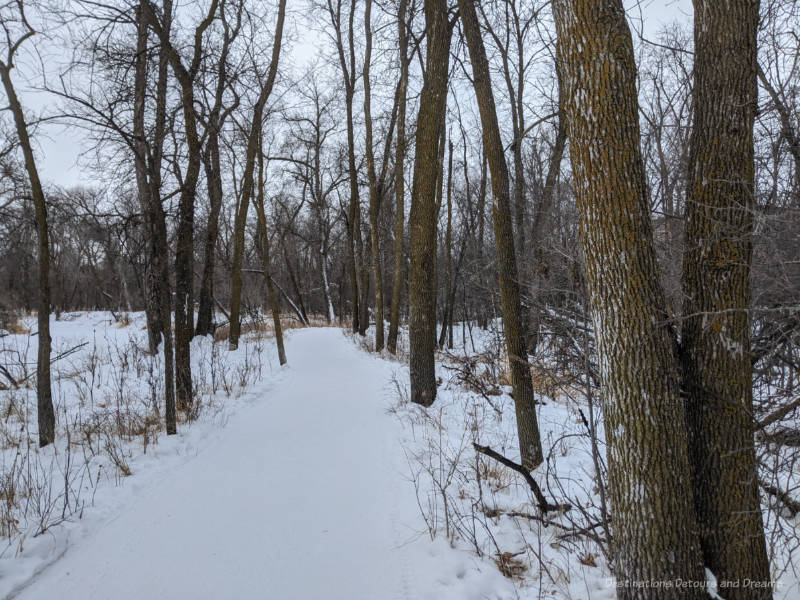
point(305, 496)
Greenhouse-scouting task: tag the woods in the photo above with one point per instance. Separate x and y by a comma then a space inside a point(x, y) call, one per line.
point(547, 202)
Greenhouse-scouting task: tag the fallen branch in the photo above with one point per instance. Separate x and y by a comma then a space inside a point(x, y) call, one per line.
point(222, 308)
point(9, 376)
point(544, 505)
point(52, 360)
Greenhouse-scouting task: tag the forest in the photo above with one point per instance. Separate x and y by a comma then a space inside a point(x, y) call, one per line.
point(513, 285)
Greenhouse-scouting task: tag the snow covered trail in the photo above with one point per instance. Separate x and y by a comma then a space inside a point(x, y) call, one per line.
point(305, 496)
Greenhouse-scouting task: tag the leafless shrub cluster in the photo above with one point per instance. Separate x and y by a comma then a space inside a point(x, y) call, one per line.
point(107, 397)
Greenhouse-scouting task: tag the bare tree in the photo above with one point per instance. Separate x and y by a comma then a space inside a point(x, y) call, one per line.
point(513, 327)
point(15, 18)
point(347, 64)
point(424, 206)
point(399, 179)
point(184, 251)
point(253, 140)
point(217, 115)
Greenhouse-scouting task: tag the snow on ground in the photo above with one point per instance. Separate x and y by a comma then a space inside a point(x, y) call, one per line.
point(302, 493)
point(314, 479)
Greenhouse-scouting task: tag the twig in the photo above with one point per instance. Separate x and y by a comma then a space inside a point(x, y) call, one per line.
point(792, 505)
point(587, 531)
point(544, 505)
point(778, 414)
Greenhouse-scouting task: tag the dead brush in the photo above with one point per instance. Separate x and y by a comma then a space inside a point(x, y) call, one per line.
point(470, 373)
point(117, 454)
point(10, 322)
point(13, 407)
point(554, 383)
point(511, 566)
point(262, 327)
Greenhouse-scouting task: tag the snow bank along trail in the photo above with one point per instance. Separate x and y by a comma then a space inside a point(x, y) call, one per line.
point(305, 496)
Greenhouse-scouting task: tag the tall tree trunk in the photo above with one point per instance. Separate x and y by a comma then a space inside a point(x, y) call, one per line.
point(247, 181)
point(399, 181)
point(239, 226)
point(513, 329)
point(184, 251)
point(653, 518)
point(205, 311)
point(363, 255)
point(375, 195)
point(160, 239)
point(448, 250)
point(422, 219)
point(265, 259)
point(213, 170)
point(152, 294)
point(184, 262)
point(717, 367)
point(483, 319)
point(44, 398)
point(347, 63)
point(354, 211)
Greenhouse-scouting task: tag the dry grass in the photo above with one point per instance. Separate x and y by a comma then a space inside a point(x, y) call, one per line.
point(12, 324)
point(263, 328)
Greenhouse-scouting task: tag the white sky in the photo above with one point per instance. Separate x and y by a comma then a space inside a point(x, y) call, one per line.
point(59, 147)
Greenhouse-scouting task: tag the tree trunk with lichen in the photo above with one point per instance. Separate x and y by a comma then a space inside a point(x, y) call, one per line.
point(513, 328)
point(653, 518)
point(716, 361)
point(422, 219)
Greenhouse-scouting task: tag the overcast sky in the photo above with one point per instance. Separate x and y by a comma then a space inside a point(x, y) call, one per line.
point(59, 147)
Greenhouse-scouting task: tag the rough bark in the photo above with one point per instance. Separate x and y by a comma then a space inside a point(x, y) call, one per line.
point(654, 527)
point(45, 414)
point(513, 327)
point(716, 361)
point(422, 219)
